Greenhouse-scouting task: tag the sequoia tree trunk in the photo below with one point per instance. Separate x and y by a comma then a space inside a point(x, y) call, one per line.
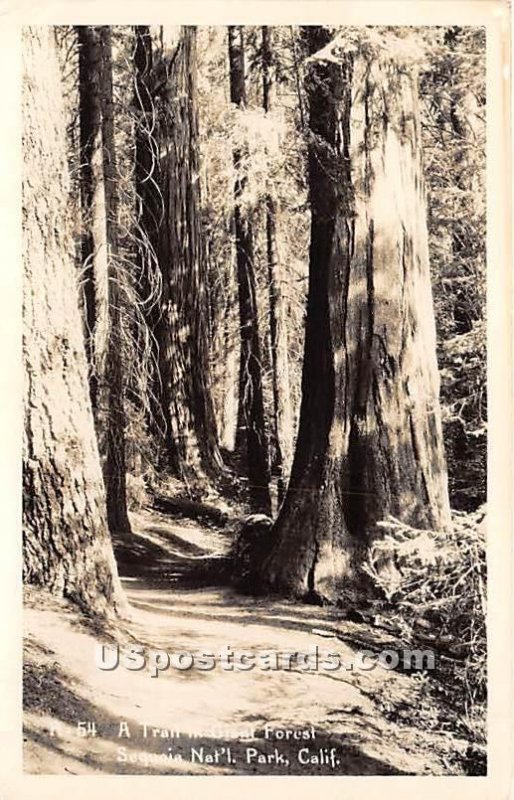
point(100, 256)
point(181, 327)
point(149, 213)
point(251, 421)
point(370, 441)
point(115, 464)
point(95, 261)
point(282, 410)
point(67, 548)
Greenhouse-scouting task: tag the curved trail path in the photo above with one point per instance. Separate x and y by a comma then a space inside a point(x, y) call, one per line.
point(192, 721)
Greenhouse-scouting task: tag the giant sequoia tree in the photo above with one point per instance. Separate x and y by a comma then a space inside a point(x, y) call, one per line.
point(170, 216)
point(67, 548)
point(370, 441)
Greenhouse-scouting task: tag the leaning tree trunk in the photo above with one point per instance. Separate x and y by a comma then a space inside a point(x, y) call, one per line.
point(67, 548)
point(251, 403)
point(370, 442)
point(282, 407)
point(100, 256)
point(181, 329)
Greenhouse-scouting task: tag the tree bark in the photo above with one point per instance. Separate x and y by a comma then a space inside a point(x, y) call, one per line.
point(115, 465)
point(282, 411)
point(100, 255)
point(181, 328)
point(251, 403)
point(149, 214)
point(94, 219)
point(66, 547)
point(370, 440)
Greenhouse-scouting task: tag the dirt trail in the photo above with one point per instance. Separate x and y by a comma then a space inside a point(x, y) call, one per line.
point(218, 721)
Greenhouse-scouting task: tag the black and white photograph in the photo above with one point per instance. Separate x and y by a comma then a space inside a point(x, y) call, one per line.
point(254, 354)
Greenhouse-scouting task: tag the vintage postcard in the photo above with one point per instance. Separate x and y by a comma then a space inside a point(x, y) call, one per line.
point(258, 378)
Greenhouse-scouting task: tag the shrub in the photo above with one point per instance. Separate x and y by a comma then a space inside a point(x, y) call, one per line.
point(439, 596)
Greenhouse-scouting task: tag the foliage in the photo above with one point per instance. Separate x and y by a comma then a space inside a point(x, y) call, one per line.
point(273, 160)
point(438, 594)
point(452, 90)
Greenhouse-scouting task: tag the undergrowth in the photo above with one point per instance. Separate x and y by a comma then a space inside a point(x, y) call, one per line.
point(437, 596)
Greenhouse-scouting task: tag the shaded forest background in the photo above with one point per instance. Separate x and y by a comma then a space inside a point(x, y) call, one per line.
point(452, 112)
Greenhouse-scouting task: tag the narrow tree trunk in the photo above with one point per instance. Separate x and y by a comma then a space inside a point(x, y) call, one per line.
point(114, 465)
point(370, 440)
point(251, 402)
point(67, 548)
point(146, 154)
point(282, 411)
point(99, 253)
point(225, 349)
point(94, 219)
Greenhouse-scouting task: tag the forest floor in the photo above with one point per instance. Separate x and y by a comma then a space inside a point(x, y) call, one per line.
point(379, 722)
